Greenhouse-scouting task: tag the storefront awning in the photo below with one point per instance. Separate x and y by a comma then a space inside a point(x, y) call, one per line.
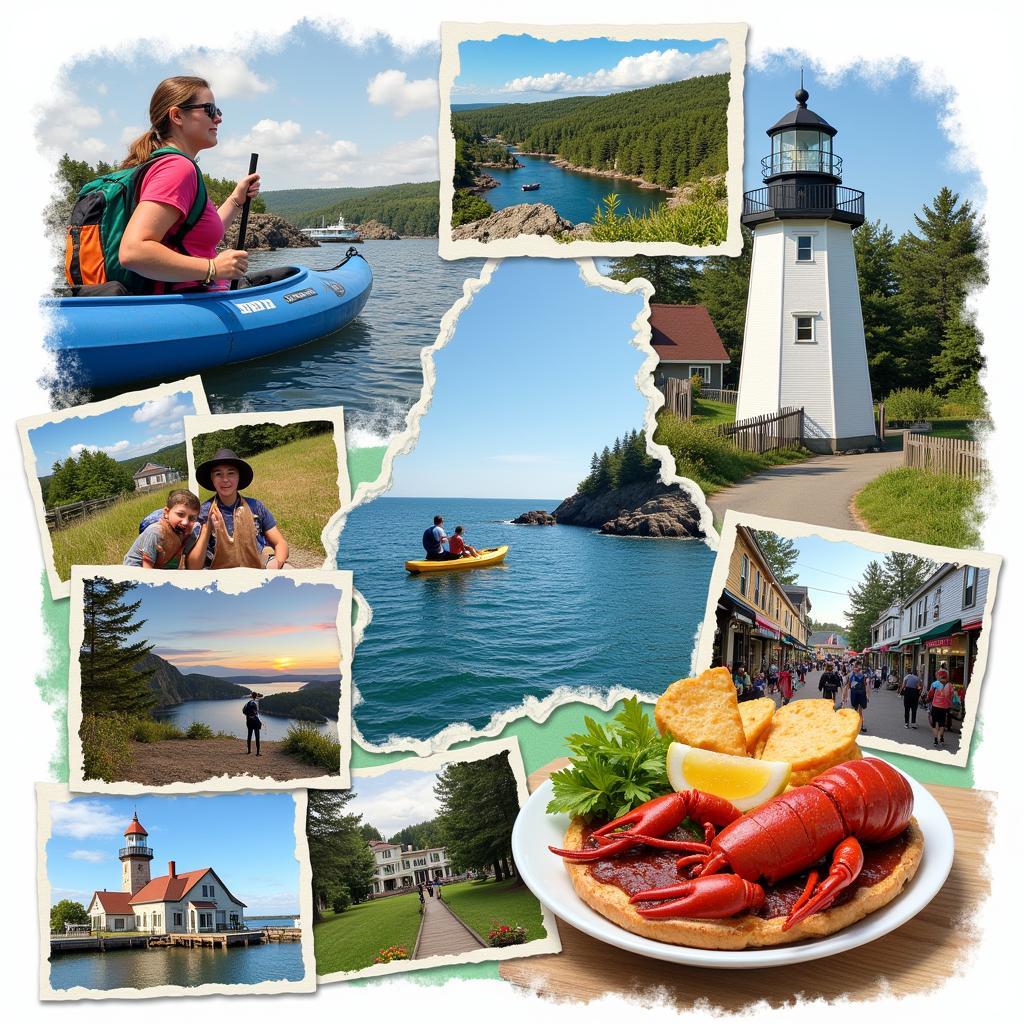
point(938, 632)
point(767, 628)
point(969, 627)
point(739, 608)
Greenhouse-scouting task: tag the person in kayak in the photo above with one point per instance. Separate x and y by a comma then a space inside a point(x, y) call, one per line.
point(165, 542)
point(457, 545)
point(235, 530)
point(182, 115)
point(436, 543)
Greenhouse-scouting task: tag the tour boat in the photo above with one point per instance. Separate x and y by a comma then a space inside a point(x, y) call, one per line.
point(532, 187)
point(109, 341)
point(339, 231)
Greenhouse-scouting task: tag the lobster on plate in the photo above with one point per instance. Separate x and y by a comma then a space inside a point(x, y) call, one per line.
point(858, 801)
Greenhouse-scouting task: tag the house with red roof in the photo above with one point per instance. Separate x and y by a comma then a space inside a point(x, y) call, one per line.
point(687, 344)
point(180, 901)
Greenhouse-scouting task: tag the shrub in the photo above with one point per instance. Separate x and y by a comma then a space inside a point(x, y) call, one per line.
point(911, 404)
point(313, 747)
point(702, 221)
point(342, 900)
point(467, 207)
point(199, 731)
point(147, 730)
point(106, 747)
point(506, 935)
point(390, 953)
point(968, 401)
point(696, 383)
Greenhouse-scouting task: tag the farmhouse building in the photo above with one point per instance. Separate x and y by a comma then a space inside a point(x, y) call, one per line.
point(400, 867)
point(154, 475)
point(687, 345)
point(186, 901)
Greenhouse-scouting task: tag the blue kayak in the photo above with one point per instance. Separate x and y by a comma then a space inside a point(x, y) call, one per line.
point(108, 341)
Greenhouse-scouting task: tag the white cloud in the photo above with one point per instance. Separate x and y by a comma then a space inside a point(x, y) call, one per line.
point(414, 160)
point(122, 450)
point(85, 819)
point(409, 803)
point(163, 411)
point(65, 127)
point(117, 448)
point(92, 856)
point(652, 68)
point(228, 75)
point(393, 88)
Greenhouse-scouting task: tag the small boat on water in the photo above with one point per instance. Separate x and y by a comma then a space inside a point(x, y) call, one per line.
point(487, 556)
point(339, 231)
point(108, 341)
point(532, 187)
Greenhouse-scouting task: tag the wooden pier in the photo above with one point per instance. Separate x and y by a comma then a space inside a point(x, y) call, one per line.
point(191, 940)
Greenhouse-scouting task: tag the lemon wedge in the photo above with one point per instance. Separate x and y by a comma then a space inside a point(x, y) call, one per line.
point(745, 781)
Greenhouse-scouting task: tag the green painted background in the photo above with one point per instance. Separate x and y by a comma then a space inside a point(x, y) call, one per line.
point(539, 743)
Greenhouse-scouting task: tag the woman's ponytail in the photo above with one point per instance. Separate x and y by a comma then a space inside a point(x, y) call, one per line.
point(171, 92)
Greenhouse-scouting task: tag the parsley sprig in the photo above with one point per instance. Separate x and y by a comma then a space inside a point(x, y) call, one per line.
point(614, 767)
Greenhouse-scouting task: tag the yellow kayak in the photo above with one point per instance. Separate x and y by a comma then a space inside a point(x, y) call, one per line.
point(487, 556)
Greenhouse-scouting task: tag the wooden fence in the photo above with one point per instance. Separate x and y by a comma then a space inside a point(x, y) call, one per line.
point(771, 432)
point(679, 397)
point(944, 455)
point(720, 395)
point(64, 515)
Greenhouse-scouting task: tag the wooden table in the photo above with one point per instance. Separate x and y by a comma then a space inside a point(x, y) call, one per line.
point(914, 958)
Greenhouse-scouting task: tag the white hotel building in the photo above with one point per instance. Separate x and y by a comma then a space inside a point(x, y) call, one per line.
point(401, 867)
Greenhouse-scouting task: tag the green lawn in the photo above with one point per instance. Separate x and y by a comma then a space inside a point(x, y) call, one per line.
point(350, 941)
point(714, 413)
point(913, 504)
point(482, 904)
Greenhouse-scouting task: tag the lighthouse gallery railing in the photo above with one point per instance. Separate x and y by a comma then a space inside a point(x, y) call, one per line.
point(805, 198)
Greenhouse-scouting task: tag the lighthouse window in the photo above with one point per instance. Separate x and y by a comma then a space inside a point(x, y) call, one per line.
point(805, 329)
point(804, 249)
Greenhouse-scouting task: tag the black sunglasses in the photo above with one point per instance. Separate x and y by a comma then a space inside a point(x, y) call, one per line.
point(211, 109)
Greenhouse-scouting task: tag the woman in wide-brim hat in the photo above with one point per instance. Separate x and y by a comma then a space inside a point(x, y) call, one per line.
point(235, 530)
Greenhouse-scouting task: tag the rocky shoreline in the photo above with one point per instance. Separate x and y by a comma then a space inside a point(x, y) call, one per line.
point(648, 509)
point(522, 219)
point(267, 232)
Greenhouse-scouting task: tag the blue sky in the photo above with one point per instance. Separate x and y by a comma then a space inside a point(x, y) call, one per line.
point(522, 69)
point(539, 374)
point(280, 626)
point(121, 433)
point(248, 839)
point(394, 800)
point(323, 113)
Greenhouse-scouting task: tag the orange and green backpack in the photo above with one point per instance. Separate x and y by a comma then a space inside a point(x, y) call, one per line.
point(100, 214)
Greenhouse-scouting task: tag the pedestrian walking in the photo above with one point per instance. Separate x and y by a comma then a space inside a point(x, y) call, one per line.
point(419, 889)
point(941, 692)
point(857, 692)
point(786, 685)
point(830, 683)
point(910, 688)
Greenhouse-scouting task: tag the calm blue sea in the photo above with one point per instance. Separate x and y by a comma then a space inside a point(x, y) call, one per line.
point(569, 607)
point(574, 195)
point(372, 366)
point(176, 965)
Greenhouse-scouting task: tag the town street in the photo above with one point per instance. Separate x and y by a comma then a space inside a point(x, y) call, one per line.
point(884, 717)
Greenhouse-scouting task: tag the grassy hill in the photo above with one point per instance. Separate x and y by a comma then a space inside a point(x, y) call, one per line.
point(410, 208)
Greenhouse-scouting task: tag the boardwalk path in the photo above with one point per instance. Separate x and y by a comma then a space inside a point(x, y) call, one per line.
point(442, 933)
point(818, 490)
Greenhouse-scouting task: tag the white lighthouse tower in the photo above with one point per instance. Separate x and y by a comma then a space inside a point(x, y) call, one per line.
point(135, 856)
point(803, 344)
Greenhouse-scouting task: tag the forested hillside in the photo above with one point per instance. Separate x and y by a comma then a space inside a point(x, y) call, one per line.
point(667, 134)
point(174, 687)
point(410, 208)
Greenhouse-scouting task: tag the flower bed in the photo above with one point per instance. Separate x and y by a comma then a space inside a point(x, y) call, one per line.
point(391, 953)
point(506, 935)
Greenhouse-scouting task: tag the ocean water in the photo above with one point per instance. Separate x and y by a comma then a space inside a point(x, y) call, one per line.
point(573, 194)
point(569, 607)
point(176, 965)
point(372, 366)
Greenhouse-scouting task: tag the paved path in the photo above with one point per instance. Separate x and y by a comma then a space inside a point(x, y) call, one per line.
point(818, 490)
point(442, 933)
point(884, 718)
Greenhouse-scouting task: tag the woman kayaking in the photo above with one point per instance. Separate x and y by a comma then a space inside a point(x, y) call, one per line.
point(183, 116)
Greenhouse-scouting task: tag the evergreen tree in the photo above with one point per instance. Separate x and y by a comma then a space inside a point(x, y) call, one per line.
point(111, 682)
point(781, 554)
point(369, 833)
point(905, 573)
point(479, 802)
point(868, 600)
point(874, 247)
point(671, 276)
point(959, 360)
point(341, 861)
point(937, 268)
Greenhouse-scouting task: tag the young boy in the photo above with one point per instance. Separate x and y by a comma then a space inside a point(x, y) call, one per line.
point(234, 530)
point(458, 546)
point(165, 543)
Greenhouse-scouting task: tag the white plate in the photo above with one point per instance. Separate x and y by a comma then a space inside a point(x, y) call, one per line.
point(545, 874)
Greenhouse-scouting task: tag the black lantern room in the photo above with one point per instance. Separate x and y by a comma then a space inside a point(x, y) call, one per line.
point(802, 173)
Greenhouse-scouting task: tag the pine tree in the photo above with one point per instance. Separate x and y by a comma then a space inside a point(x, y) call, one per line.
point(671, 276)
point(959, 360)
point(905, 573)
point(341, 861)
point(781, 554)
point(111, 683)
point(868, 600)
point(875, 249)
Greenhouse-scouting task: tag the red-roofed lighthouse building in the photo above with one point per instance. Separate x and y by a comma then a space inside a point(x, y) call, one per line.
point(188, 901)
